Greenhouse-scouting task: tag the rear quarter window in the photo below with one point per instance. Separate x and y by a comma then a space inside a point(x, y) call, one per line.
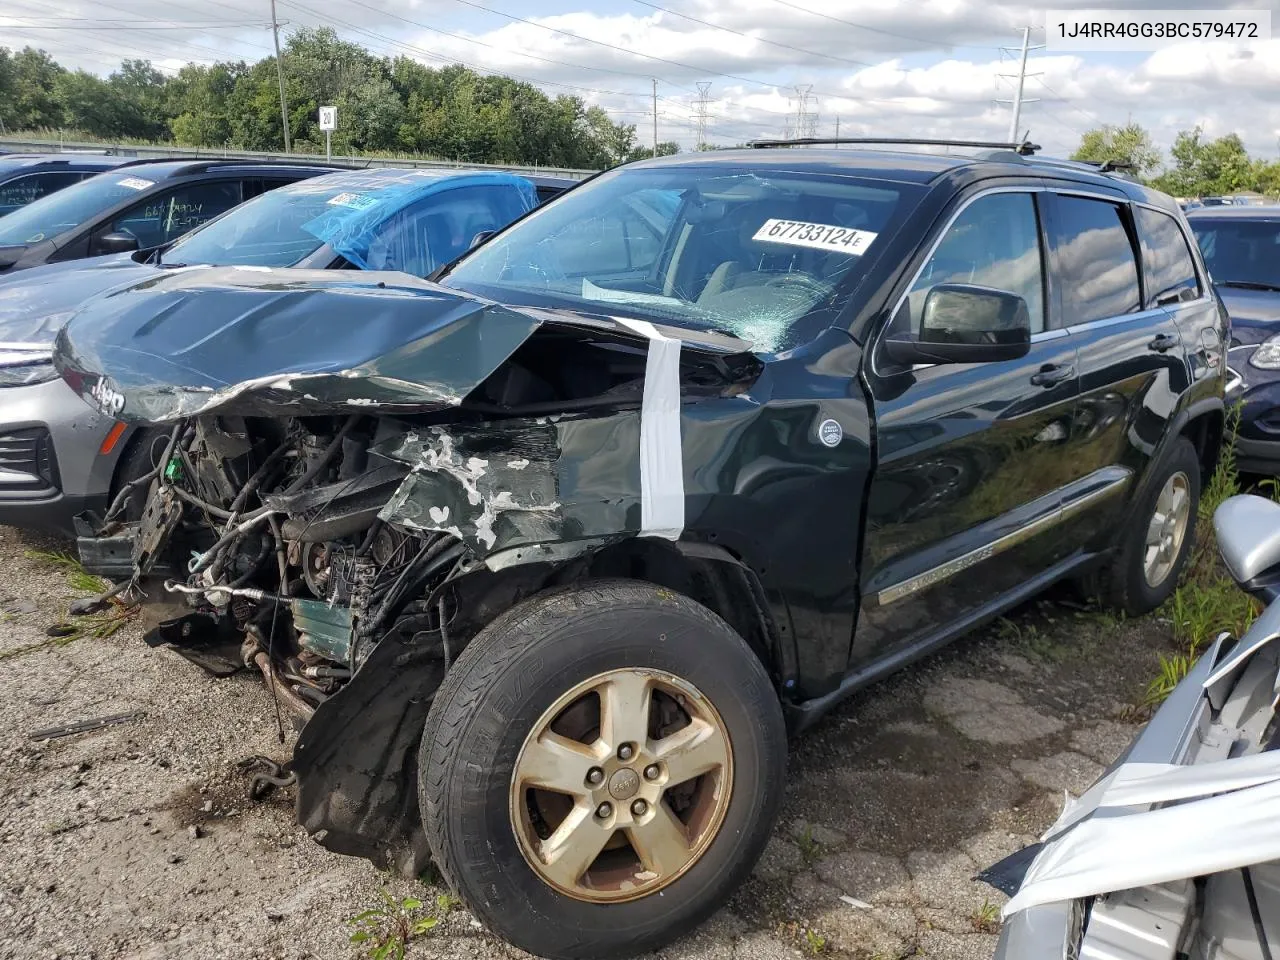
point(1167, 263)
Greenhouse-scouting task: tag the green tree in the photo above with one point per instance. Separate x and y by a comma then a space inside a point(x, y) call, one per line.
point(27, 100)
point(138, 92)
point(200, 99)
point(1207, 167)
point(1129, 144)
point(666, 148)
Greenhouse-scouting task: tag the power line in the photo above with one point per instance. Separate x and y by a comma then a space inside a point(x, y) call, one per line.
point(739, 33)
point(610, 46)
point(519, 53)
point(1080, 110)
point(887, 33)
point(328, 20)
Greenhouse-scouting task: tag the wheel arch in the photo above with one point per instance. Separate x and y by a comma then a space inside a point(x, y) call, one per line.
point(706, 573)
point(1204, 424)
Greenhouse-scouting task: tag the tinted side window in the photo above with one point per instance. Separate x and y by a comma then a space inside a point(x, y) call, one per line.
point(22, 190)
point(1166, 259)
point(1095, 255)
point(167, 216)
point(995, 242)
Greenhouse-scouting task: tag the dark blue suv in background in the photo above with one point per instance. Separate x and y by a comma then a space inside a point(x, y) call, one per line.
point(139, 205)
point(26, 177)
point(1241, 247)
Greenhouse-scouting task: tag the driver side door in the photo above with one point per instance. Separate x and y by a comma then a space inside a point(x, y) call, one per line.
point(971, 458)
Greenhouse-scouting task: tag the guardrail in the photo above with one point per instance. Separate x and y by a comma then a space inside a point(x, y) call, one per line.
point(23, 145)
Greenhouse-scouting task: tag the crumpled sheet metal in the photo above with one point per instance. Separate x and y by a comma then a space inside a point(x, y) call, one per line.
point(504, 484)
point(282, 342)
point(1264, 630)
point(1212, 816)
point(1137, 849)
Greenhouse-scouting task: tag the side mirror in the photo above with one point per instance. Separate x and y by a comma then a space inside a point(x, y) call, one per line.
point(115, 243)
point(480, 238)
point(966, 323)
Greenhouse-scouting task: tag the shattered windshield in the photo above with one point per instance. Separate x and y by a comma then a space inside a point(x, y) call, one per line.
point(748, 254)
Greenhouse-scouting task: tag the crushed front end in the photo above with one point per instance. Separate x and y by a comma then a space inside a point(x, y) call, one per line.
point(352, 520)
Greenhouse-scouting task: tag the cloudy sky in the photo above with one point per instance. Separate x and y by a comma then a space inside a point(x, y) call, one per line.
point(877, 67)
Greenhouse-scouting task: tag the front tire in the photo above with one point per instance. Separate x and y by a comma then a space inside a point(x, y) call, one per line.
point(601, 768)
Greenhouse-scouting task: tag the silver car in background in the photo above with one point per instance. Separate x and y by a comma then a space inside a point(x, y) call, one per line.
point(1174, 854)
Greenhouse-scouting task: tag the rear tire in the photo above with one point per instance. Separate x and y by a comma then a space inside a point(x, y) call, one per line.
point(1146, 569)
point(489, 830)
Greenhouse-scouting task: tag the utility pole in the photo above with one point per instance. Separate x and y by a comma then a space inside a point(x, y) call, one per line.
point(701, 115)
point(837, 144)
point(655, 116)
point(1018, 99)
point(805, 124)
point(284, 107)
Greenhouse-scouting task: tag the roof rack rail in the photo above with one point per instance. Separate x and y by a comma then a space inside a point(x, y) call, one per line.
point(1023, 148)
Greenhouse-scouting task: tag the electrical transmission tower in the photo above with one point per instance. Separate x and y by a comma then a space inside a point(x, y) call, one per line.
point(1021, 77)
point(804, 123)
point(700, 115)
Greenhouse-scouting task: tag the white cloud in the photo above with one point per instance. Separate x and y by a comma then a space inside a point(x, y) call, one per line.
point(932, 66)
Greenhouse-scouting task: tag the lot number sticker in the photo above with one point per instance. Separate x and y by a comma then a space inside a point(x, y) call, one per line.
point(820, 236)
point(355, 201)
point(136, 183)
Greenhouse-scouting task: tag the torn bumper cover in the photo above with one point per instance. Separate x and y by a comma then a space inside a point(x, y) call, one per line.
point(1197, 795)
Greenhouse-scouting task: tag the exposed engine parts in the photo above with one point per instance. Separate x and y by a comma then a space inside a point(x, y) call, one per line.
point(278, 522)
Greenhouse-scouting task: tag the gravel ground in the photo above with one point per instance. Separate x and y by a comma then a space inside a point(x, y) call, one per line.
point(138, 840)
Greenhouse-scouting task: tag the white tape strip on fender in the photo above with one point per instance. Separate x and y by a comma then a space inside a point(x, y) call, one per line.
point(661, 455)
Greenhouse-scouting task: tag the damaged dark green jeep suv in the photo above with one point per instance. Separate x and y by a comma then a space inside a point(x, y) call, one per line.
point(551, 554)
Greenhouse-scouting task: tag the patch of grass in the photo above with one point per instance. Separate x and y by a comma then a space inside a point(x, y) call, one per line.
point(810, 848)
point(1208, 601)
point(1032, 640)
point(384, 931)
point(814, 943)
point(986, 919)
point(1225, 481)
point(98, 625)
point(78, 578)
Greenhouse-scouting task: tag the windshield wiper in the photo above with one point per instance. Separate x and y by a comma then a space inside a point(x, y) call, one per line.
point(1249, 285)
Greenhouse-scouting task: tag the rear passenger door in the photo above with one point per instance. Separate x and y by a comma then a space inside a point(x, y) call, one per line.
point(1129, 351)
point(1172, 280)
point(971, 459)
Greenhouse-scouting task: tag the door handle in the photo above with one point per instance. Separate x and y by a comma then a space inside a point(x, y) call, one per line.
point(1051, 374)
point(1163, 342)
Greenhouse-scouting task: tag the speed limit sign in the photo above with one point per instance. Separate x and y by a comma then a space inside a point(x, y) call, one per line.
point(328, 118)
